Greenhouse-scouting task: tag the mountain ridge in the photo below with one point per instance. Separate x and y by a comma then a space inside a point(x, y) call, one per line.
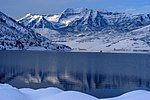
point(77, 20)
point(15, 36)
point(94, 30)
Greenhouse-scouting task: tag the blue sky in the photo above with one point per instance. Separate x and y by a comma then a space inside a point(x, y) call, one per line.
point(18, 8)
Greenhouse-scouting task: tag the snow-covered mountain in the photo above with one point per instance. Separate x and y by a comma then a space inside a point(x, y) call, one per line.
point(81, 20)
point(92, 30)
point(15, 36)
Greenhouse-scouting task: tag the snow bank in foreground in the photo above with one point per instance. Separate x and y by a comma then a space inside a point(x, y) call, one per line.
point(8, 92)
point(134, 95)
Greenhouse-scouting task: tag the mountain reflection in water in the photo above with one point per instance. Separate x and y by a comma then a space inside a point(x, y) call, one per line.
point(99, 74)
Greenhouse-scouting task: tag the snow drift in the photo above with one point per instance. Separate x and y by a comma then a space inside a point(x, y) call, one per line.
point(8, 92)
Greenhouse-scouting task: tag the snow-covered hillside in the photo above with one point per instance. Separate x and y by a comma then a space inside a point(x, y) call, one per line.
point(14, 36)
point(92, 30)
point(134, 41)
point(107, 41)
point(8, 92)
point(85, 20)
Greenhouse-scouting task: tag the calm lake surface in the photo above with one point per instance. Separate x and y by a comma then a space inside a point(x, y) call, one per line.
point(98, 74)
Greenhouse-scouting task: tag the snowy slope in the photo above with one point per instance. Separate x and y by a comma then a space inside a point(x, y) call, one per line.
point(134, 41)
point(83, 19)
point(92, 30)
point(8, 92)
point(14, 36)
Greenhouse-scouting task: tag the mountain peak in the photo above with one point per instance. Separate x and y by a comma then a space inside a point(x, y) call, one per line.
point(29, 14)
point(88, 27)
point(75, 10)
point(17, 37)
point(82, 19)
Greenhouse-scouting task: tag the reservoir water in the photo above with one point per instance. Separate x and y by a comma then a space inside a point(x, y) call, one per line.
point(98, 74)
